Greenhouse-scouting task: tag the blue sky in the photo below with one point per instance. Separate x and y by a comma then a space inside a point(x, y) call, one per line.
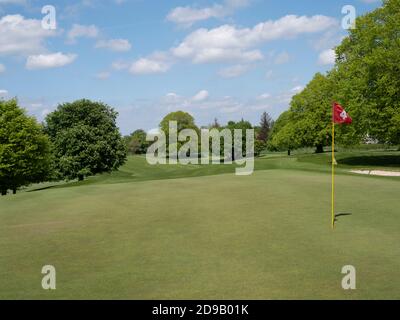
point(225, 59)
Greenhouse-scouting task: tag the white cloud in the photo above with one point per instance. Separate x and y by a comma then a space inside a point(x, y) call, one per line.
point(22, 36)
point(2, 68)
point(120, 65)
point(149, 66)
point(227, 42)
point(201, 96)
point(187, 16)
point(45, 61)
point(297, 89)
point(264, 96)
point(3, 93)
point(117, 45)
point(233, 71)
point(103, 75)
point(282, 58)
point(21, 2)
point(81, 31)
point(327, 57)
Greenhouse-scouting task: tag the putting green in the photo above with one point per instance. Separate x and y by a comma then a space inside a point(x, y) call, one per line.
point(265, 236)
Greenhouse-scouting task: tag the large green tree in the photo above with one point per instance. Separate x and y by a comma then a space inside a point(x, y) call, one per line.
point(308, 121)
point(367, 73)
point(25, 152)
point(86, 139)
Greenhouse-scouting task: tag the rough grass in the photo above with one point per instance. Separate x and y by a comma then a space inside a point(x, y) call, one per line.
point(175, 232)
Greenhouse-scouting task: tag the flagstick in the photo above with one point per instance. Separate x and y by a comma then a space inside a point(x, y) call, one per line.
point(333, 175)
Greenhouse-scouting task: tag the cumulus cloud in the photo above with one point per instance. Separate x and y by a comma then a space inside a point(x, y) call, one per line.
point(2, 68)
point(22, 36)
point(3, 93)
point(327, 57)
point(282, 58)
point(233, 71)
point(45, 61)
point(149, 66)
point(82, 31)
point(116, 45)
point(228, 43)
point(201, 96)
point(189, 15)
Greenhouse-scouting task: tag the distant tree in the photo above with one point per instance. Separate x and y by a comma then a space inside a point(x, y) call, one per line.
point(136, 143)
point(243, 126)
point(86, 139)
point(265, 128)
point(215, 124)
point(184, 121)
point(25, 152)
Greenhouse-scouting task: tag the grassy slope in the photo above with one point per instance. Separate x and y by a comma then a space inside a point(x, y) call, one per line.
point(129, 235)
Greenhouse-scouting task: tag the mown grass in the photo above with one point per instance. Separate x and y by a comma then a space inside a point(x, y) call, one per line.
point(200, 232)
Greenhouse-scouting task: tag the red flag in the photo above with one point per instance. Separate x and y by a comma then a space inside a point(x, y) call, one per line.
point(339, 115)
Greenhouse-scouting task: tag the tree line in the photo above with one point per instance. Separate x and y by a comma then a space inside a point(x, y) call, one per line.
point(365, 80)
point(78, 140)
point(136, 142)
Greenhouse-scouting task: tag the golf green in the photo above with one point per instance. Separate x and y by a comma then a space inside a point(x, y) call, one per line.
point(264, 236)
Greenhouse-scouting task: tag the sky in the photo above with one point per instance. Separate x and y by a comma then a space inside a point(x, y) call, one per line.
point(224, 59)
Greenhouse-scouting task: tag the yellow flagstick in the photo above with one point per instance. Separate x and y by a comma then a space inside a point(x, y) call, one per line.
point(333, 174)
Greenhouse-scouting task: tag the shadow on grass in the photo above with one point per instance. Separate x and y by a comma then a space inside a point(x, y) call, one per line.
point(42, 189)
point(338, 215)
point(378, 161)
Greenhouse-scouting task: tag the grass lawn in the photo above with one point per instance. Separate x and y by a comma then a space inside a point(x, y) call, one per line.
point(200, 232)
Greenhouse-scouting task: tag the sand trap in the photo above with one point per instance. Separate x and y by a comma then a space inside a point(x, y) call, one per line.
point(378, 173)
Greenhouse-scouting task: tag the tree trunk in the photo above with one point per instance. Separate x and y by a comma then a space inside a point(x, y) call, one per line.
point(81, 177)
point(288, 152)
point(320, 149)
point(14, 190)
point(3, 192)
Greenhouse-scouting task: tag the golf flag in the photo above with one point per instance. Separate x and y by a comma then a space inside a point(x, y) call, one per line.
point(339, 116)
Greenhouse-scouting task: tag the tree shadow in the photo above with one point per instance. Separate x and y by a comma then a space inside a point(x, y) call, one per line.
point(42, 189)
point(378, 161)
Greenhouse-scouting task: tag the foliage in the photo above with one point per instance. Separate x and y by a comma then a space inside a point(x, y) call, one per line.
point(25, 152)
point(86, 139)
point(365, 81)
point(266, 125)
point(136, 143)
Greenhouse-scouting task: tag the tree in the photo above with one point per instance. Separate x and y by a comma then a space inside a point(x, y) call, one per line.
point(25, 152)
point(136, 143)
point(86, 139)
point(312, 113)
point(266, 124)
point(367, 74)
point(284, 135)
point(184, 121)
point(215, 124)
point(243, 126)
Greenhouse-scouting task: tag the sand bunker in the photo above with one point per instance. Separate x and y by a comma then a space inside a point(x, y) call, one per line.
point(378, 173)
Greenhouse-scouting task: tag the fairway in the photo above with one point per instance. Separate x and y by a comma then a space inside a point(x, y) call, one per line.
point(197, 235)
